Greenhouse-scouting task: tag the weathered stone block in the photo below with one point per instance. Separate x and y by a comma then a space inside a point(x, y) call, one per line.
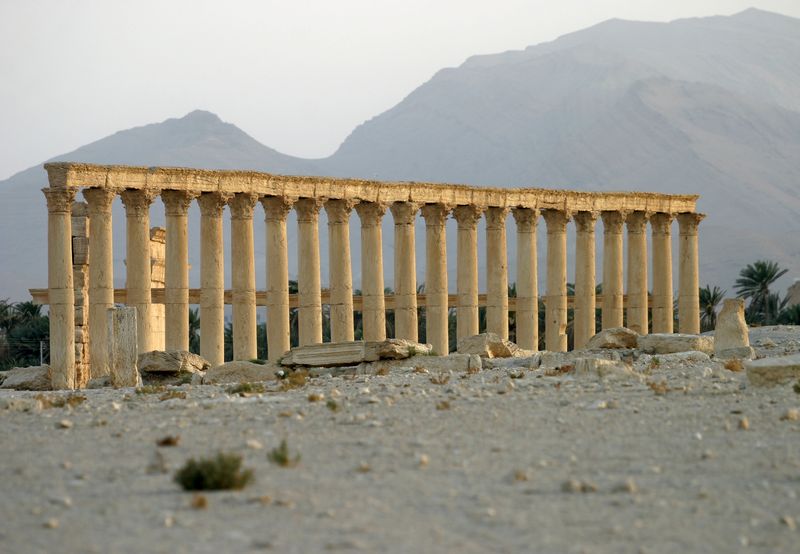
point(122, 347)
point(240, 372)
point(606, 370)
point(352, 353)
point(668, 343)
point(616, 337)
point(28, 378)
point(768, 372)
point(731, 337)
point(487, 345)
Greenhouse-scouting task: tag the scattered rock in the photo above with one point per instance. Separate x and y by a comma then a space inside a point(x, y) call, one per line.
point(607, 370)
point(487, 345)
point(99, 382)
point(668, 343)
point(792, 414)
point(469, 363)
point(574, 486)
point(20, 404)
point(627, 486)
point(615, 337)
point(767, 372)
point(170, 367)
point(731, 336)
point(65, 424)
point(51, 523)
point(744, 424)
point(354, 352)
point(28, 378)
point(240, 372)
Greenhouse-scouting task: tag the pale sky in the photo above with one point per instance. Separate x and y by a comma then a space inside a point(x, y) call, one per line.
point(296, 75)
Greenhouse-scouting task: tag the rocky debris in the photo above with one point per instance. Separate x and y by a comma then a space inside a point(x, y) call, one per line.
point(556, 360)
point(20, 404)
point(654, 361)
point(526, 362)
point(487, 345)
point(239, 372)
point(605, 370)
point(353, 353)
point(767, 372)
point(99, 382)
point(669, 343)
point(731, 337)
point(28, 378)
point(170, 367)
point(615, 337)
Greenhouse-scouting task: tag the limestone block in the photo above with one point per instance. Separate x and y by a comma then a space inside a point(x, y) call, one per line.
point(99, 382)
point(453, 362)
point(28, 378)
point(172, 361)
point(528, 362)
point(768, 372)
point(353, 352)
point(487, 345)
point(668, 343)
point(615, 337)
point(240, 372)
point(606, 370)
point(122, 347)
point(731, 337)
point(555, 360)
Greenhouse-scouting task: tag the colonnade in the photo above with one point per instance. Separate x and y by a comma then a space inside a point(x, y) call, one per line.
point(241, 191)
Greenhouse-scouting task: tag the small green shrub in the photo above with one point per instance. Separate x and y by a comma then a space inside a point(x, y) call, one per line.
point(222, 472)
point(281, 456)
point(151, 389)
point(246, 388)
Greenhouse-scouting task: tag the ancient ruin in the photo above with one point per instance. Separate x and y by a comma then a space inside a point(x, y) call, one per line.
point(240, 191)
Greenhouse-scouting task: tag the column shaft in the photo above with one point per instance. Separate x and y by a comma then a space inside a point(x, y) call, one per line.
point(243, 276)
point(341, 277)
point(527, 315)
point(496, 272)
point(613, 295)
point(660, 225)
point(467, 271)
point(60, 287)
point(689, 293)
point(436, 307)
point(372, 294)
point(137, 259)
point(308, 278)
point(212, 278)
point(583, 319)
point(405, 271)
point(276, 208)
point(556, 300)
point(637, 272)
point(101, 275)
point(176, 278)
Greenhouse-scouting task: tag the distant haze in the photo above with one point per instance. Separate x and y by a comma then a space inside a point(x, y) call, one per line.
point(297, 76)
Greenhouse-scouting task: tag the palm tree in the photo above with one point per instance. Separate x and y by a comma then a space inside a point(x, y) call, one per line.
point(194, 331)
point(709, 300)
point(753, 283)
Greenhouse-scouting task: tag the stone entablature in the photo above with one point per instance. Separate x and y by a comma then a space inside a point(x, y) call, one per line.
point(239, 191)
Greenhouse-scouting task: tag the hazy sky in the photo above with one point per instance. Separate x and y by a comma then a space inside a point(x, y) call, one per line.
point(296, 75)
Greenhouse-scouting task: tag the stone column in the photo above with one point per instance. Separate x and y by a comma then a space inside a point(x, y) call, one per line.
point(637, 271)
point(372, 294)
point(660, 224)
point(137, 259)
point(176, 279)
point(436, 307)
point(212, 278)
point(405, 271)
point(527, 315)
point(583, 319)
point(496, 272)
point(556, 299)
point(158, 242)
point(308, 278)
point(689, 293)
point(243, 276)
point(467, 271)
point(59, 284)
point(276, 208)
point(101, 275)
point(341, 276)
point(613, 295)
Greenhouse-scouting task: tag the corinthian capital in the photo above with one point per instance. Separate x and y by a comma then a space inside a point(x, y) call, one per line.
point(339, 211)
point(242, 205)
point(404, 213)
point(213, 203)
point(137, 201)
point(468, 216)
point(59, 200)
point(100, 199)
point(177, 202)
point(277, 208)
point(370, 213)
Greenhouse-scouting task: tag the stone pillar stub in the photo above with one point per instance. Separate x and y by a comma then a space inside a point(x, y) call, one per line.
point(496, 272)
point(527, 316)
point(467, 271)
point(212, 277)
point(243, 276)
point(613, 267)
point(308, 271)
point(60, 287)
point(660, 225)
point(689, 278)
point(556, 299)
point(176, 276)
point(436, 293)
point(405, 270)
point(340, 268)
point(122, 347)
point(585, 278)
point(276, 208)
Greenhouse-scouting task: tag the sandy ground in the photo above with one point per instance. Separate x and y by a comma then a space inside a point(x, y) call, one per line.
point(484, 462)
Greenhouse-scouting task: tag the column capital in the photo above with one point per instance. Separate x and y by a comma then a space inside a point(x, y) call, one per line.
point(435, 214)
point(242, 205)
point(308, 209)
point(525, 218)
point(585, 221)
point(137, 201)
point(637, 221)
point(59, 200)
point(276, 208)
point(613, 220)
point(370, 213)
point(661, 222)
point(404, 213)
point(468, 216)
point(688, 223)
point(556, 220)
point(213, 203)
point(339, 211)
point(100, 199)
point(496, 217)
point(177, 202)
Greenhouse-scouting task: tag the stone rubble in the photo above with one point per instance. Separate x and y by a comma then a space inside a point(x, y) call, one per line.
point(670, 343)
point(616, 337)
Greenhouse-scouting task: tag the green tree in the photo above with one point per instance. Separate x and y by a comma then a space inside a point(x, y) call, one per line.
point(753, 283)
point(194, 331)
point(709, 300)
